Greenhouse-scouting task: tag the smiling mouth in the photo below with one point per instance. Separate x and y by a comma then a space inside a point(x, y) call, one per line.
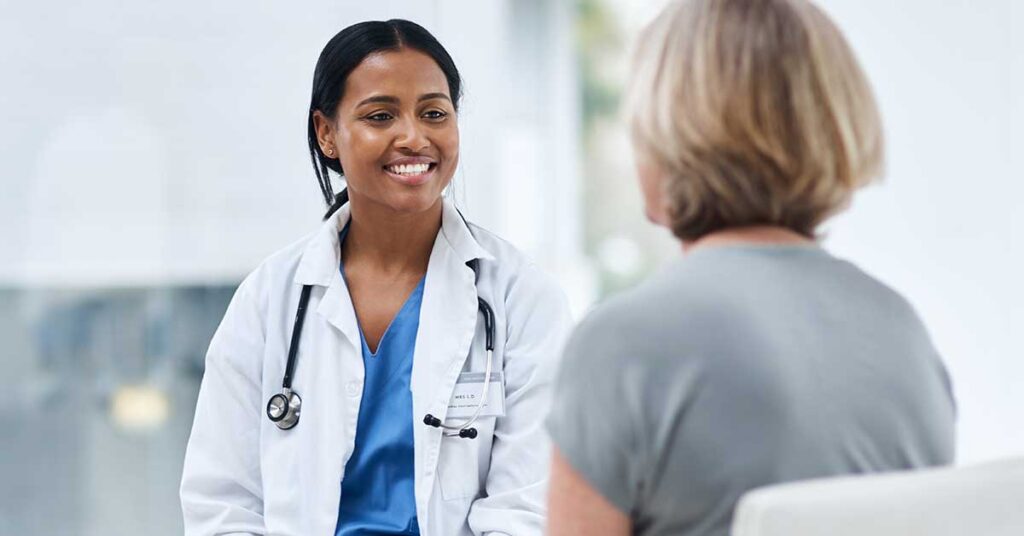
point(410, 170)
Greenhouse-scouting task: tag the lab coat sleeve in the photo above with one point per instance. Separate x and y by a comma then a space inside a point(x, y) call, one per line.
point(221, 488)
point(537, 324)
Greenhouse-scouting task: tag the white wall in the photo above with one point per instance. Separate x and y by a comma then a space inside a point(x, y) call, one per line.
point(946, 228)
point(153, 145)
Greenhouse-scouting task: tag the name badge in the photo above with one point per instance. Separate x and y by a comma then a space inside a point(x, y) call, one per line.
point(466, 396)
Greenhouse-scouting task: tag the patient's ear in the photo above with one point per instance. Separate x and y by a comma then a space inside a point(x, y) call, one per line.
point(652, 186)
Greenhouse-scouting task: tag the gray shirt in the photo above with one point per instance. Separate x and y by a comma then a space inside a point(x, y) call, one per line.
point(742, 366)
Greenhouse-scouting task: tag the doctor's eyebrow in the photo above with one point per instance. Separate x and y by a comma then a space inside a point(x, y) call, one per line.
point(388, 99)
point(428, 96)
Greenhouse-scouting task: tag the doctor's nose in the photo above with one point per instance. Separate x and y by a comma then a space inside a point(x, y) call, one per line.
point(411, 136)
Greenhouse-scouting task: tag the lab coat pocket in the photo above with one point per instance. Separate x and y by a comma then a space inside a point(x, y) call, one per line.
point(458, 468)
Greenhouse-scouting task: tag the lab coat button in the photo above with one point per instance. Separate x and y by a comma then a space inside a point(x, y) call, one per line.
point(353, 388)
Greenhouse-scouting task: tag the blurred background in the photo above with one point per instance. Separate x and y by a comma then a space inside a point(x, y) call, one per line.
point(155, 153)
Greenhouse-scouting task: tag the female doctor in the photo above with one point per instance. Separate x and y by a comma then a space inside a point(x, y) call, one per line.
point(346, 390)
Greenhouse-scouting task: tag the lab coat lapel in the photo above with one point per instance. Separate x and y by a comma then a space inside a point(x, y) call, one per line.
point(336, 307)
point(321, 266)
point(448, 319)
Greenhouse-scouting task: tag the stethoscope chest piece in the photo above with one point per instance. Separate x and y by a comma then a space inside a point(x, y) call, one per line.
point(283, 409)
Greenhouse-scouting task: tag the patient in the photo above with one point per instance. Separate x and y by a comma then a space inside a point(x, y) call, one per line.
point(757, 357)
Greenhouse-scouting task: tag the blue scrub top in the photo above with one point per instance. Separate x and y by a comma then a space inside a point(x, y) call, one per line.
point(377, 494)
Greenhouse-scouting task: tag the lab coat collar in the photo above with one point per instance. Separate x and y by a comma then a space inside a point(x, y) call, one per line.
point(456, 230)
point(320, 264)
point(321, 258)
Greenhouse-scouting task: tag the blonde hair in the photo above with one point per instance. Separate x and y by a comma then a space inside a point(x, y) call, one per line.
point(755, 111)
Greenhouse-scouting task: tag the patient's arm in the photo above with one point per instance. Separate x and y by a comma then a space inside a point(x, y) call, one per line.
point(577, 509)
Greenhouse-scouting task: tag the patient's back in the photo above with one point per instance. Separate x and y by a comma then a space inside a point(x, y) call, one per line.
point(742, 366)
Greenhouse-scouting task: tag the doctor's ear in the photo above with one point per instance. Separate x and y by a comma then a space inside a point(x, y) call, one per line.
point(324, 127)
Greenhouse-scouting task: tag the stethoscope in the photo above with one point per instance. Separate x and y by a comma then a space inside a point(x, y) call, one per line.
point(284, 408)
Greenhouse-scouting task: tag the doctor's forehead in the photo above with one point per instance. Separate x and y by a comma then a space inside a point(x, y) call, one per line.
point(406, 74)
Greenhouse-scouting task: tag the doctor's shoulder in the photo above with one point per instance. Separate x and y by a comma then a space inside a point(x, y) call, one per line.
point(245, 322)
point(516, 278)
point(279, 267)
point(534, 313)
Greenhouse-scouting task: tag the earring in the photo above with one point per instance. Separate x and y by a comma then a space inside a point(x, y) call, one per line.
point(330, 152)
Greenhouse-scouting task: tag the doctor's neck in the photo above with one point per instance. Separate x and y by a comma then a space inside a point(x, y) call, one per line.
point(389, 240)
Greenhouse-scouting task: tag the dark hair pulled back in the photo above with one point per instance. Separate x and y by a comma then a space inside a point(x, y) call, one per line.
point(339, 58)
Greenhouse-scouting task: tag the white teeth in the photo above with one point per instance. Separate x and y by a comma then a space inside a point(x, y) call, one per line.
point(412, 169)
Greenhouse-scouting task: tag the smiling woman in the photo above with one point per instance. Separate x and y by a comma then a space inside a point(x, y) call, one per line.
point(384, 126)
point(392, 342)
point(394, 135)
point(378, 83)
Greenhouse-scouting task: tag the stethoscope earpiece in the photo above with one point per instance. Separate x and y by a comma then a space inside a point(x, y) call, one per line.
point(465, 433)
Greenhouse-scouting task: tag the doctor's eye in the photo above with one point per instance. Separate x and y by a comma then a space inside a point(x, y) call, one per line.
point(380, 117)
point(435, 115)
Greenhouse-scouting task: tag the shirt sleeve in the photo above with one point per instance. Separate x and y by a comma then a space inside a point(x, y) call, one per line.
point(594, 418)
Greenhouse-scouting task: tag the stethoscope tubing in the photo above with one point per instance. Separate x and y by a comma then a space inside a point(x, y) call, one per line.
point(284, 408)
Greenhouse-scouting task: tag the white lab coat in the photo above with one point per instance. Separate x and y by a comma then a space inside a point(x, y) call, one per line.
point(243, 475)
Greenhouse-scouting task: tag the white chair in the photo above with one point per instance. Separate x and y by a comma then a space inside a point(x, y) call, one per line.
point(981, 500)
